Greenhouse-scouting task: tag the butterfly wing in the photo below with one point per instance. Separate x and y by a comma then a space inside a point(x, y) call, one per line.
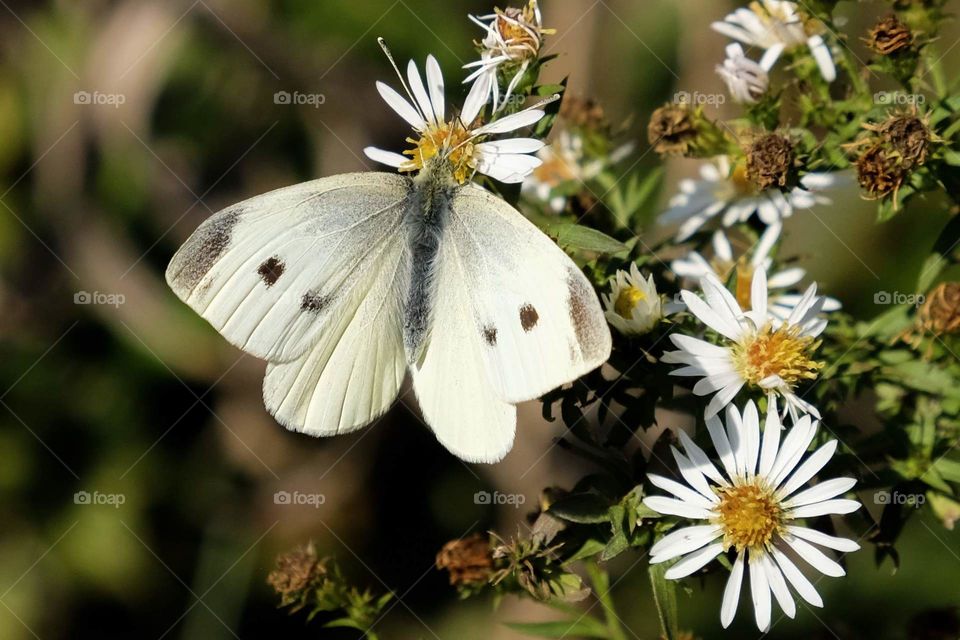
point(309, 277)
point(535, 314)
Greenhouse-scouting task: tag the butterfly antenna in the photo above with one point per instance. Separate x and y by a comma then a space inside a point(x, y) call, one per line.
point(416, 105)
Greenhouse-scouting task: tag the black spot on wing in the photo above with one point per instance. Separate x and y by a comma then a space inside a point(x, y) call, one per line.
point(202, 250)
point(315, 302)
point(528, 317)
point(271, 270)
point(490, 335)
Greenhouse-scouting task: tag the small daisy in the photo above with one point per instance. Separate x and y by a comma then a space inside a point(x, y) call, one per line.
point(633, 305)
point(758, 351)
point(727, 190)
point(513, 40)
point(746, 80)
point(778, 26)
point(458, 140)
point(753, 508)
point(724, 264)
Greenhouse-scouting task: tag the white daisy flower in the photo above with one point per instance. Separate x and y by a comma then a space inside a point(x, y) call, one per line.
point(778, 26)
point(758, 351)
point(513, 37)
point(633, 305)
point(459, 139)
point(724, 264)
point(746, 80)
point(731, 195)
point(754, 508)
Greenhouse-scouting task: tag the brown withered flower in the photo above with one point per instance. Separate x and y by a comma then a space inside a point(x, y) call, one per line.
point(672, 129)
point(940, 313)
point(583, 113)
point(771, 160)
point(297, 571)
point(889, 36)
point(879, 172)
point(899, 145)
point(468, 560)
point(908, 136)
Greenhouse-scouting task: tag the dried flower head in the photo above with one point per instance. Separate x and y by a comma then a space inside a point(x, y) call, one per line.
point(879, 172)
point(296, 572)
point(468, 560)
point(771, 161)
point(909, 136)
point(940, 313)
point(537, 569)
point(889, 36)
point(583, 113)
point(897, 146)
point(672, 129)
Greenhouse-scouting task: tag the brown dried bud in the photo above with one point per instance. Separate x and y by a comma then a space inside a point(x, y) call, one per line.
point(909, 137)
point(770, 161)
point(469, 560)
point(889, 36)
point(296, 571)
point(879, 172)
point(672, 130)
point(583, 113)
point(940, 312)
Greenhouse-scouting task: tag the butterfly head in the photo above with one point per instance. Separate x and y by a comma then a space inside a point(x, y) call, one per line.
point(443, 146)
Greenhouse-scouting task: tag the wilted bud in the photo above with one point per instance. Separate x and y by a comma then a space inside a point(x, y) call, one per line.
point(889, 36)
point(468, 560)
point(672, 130)
point(940, 313)
point(583, 113)
point(879, 172)
point(296, 572)
point(771, 161)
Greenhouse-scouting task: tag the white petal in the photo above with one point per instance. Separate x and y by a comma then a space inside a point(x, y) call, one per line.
point(700, 459)
point(435, 86)
point(513, 145)
point(403, 108)
point(736, 437)
point(758, 293)
point(382, 156)
point(797, 579)
point(821, 53)
point(731, 593)
point(518, 120)
point(762, 251)
point(771, 55)
point(694, 562)
point(760, 593)
point(840, 506)
point(420, 92)
point(722, 446)
point(786, 278)
point(683, 541)
point(823, 491)
point(808, 469)
point(818, 537)
point(721, 246)
point(751, 437)
point(771, 440)
point(794, 446)
point(725, 326)
point(723, 397)
point(778, 586)
point(674, 507)
point(816, 558)
point(693, 476)
point(722, 301)
point(699, 347)
point(476, 99)
point(683, 493)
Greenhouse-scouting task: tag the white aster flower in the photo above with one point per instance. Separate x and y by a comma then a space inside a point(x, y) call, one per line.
point(758, 351)
point(725, 264)
point(633, 305)
point(777, 26)
point(458, 140)
point(513, 38)
point(753, 508)
point(746, 79)
point(731, 195)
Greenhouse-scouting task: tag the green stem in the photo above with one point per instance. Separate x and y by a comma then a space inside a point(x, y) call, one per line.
point(601, 588)
point(935, 67)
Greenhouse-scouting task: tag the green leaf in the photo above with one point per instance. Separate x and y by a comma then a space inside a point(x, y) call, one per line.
point(575, 236)
point(585, 627)
point(665, 597)
point(948, 469)
point(582, 508)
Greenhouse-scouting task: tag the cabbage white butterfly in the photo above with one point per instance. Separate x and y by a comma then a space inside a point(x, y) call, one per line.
point(345, 283)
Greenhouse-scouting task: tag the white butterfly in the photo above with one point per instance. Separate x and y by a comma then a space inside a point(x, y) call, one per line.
point(343, 284)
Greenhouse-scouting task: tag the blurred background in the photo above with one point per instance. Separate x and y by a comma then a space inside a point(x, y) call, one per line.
point(138, 468)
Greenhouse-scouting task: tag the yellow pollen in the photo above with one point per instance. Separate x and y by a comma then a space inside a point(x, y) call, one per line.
point(450, 139)
point(741, 181)
point(782, 352)
point(749, 515)
point(627, 300)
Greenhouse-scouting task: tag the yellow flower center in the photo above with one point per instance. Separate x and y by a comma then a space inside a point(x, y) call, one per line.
point(741, 181)
point(627, 301)
point(781, 352)
point(749, 514)
point(744, 284)
point(448, 138)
